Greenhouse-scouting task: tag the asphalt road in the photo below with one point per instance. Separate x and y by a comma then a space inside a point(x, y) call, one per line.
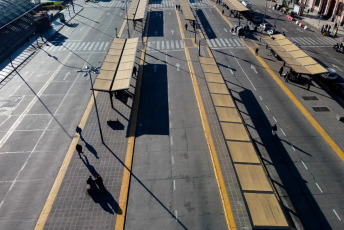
point(306, 172)
point(42, 105)
point(177, 187)
point(40, 108)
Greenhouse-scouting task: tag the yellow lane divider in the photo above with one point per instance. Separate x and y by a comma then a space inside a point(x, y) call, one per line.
point(58, 181)
point(304, 111)
point(62, 172)
point(124, 193)
point(215, 161)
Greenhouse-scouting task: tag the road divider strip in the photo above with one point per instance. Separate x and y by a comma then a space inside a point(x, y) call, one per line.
point(218, 174)
point(124, 192)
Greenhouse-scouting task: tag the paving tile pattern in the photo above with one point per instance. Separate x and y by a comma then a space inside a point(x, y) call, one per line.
point(74, 208)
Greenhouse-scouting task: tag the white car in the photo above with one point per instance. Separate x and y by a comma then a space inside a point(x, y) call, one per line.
point(331, 75)
point(247, 4)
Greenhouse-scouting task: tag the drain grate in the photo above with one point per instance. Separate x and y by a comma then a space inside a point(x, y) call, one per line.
point(310, 98)
point(320, 109)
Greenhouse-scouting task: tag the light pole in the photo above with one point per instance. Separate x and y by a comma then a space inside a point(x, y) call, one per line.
point(126, 8)
point(276, 19)
point(89, 71)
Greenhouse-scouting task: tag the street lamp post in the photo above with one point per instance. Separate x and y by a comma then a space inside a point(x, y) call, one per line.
point(126, 8)
point(276, 20)
point(89, 71)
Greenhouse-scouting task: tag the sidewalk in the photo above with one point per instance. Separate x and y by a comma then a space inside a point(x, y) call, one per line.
point(313, 19)
point(27, 49)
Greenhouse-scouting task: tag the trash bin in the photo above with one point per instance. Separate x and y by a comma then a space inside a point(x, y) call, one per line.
point(62, 17)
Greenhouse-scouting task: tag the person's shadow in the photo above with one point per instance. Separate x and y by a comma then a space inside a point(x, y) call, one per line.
point(101, 195)
point(90, 167)
point(88, 146)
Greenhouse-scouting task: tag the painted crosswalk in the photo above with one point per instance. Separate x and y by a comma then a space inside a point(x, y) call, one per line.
point(224, 42)
point(110, 4)
point(156, 4)
point(77, 46)
point(313, 41)
point(179, 44)
point(165, 45)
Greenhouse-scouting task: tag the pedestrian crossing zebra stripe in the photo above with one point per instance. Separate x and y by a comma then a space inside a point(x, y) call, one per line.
point(312, 41)
point(113, 4)
point(78, 46)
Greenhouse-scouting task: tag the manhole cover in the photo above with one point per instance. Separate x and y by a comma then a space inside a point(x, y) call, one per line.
point(320, 109)
point(310, 98)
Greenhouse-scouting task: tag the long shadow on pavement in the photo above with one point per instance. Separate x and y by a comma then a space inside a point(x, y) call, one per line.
point(147, 189)
point(295, 186)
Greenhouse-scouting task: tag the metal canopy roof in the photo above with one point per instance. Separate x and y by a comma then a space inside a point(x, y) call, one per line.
point(141, 10)
point(235, 5)
point(187, 10)
point(116, 71)
point(298, 60)
point(132, 9)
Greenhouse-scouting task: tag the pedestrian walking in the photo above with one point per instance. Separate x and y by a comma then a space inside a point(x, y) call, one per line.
point(186, 26)
point(329, 28)
point(283, 33)
point(42, 37)
point(326, 26)
point(274, 129)
point(280, 71)
point(134, 70)
point(223, 12)
point(267, 46)
point(286, 77)
point(257, 49)
point(78, 130)
point(322, 28)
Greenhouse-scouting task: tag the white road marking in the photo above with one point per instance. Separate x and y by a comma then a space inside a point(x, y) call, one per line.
point(283, 132)
point(260, 98)
point(319, 188)
point(267, 107)
point(332, 210)
point(172, 160)
point(274, 119)
point(174, 184)
point(176, 215)
point(171, 140)
point(304, 165)
point(243, 70)
point(285, 30)
point(293, 147)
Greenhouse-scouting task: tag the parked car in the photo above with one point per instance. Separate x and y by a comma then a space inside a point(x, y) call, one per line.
point(339, 88)
point(247, 4)
point(331, 75)
point(264, 26)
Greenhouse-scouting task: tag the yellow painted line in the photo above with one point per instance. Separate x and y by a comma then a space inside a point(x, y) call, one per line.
point(58, 181)
point(122, 28)
point(124, 193)
point(304, 111)
point(215, 161)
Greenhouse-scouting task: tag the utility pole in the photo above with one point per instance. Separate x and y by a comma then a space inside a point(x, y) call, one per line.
point(89, 71)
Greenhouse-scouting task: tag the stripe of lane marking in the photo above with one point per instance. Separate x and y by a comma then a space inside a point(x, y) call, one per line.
point(124, 193)
point(58, 181)
point(218, 174)
point(304, 111)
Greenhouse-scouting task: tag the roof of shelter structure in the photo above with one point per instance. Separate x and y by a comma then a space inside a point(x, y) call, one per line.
point(187, 10)
point(11, 9)
point(141, 10)
point(235, 5)
point(297, 59)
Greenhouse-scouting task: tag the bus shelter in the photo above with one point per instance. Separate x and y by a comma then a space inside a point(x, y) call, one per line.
point(298, 61)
